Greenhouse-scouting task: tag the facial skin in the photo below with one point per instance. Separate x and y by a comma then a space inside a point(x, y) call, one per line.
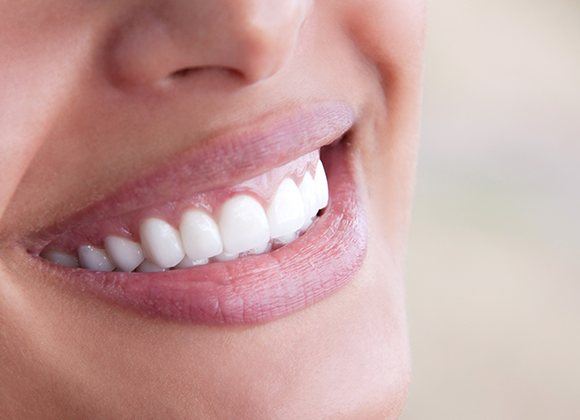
point(89, 98)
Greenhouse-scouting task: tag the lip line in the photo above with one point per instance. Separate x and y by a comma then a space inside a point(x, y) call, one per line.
point(250, 290)
point(223, 159)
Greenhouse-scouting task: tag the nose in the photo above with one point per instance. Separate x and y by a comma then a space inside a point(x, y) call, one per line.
point(250, 38)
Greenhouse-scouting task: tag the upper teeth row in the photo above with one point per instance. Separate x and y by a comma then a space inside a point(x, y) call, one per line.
point(243, 226)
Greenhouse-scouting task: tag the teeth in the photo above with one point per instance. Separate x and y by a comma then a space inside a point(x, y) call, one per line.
point(187, 262)
point(321, 185)
point(124, 253)
point(149, 267)
point(161, 243)
point(243, 224)
point(94, 259)
point(308, 192)
point(224, 256)
point(262, 249)
point(200, 235)
point(306, 224)
point(243, 228)
point(60, 258)
point(286, 212)
point(286, 239)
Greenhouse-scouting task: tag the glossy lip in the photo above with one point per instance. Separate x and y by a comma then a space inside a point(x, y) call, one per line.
point(258, 288)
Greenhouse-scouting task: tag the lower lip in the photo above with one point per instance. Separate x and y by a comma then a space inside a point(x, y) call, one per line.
point(254, 289)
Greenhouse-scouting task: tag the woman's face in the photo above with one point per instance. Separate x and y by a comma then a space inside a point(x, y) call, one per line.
point(144, 134)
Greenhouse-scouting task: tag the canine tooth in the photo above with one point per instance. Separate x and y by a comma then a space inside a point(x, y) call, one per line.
point(161, 242)
point(95, 259)
point(200, 235)
point(60, 258)
point(308, 192)
point(125, 254)
point(243, 224)
point(321, 184)
point(286, 211)
point(224, 256)
point(149, 267)
point(187, 262)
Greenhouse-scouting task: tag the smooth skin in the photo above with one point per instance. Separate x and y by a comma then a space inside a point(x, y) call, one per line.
point(93, 93)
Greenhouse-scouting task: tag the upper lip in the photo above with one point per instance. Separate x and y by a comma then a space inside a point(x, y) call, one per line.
point(218, 161)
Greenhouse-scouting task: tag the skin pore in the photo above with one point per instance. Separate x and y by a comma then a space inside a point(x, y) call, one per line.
point(95, 93)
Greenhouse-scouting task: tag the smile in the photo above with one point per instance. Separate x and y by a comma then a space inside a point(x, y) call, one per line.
point(246, 223)
point(253, 224)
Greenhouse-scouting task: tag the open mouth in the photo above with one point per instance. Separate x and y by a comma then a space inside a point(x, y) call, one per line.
point(251, 226)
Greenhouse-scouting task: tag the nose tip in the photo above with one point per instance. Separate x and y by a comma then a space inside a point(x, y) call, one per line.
point(250, 38)
point(267, 37)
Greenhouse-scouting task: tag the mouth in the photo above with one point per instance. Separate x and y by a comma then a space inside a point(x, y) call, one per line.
point(251, 225)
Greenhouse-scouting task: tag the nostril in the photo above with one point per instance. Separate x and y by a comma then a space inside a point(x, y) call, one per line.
point(246, 42)
point(205, 72)
point(184, 72)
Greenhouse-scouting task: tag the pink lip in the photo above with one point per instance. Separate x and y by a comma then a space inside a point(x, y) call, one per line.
point(256, 288)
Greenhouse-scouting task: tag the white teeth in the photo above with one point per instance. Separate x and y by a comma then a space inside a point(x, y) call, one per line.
point(308, 192)
point(161, 243)
point(243, 228)
point(94, 259)
point(187, 262)
point(307, 224)
point(149, 267)
point(286, 211)
point(286, 239)
point(60, 258)
point(124, 253)
point(224, 256)
point(243, 224)
point(200, 235)
point(321, 185)
point(262, 249)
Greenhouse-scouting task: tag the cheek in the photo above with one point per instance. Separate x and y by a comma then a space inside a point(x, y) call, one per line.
point(389, 36)
point(387, 31)
point(40, 57)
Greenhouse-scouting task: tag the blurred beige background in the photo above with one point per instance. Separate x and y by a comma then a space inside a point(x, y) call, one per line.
point(494, 263)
